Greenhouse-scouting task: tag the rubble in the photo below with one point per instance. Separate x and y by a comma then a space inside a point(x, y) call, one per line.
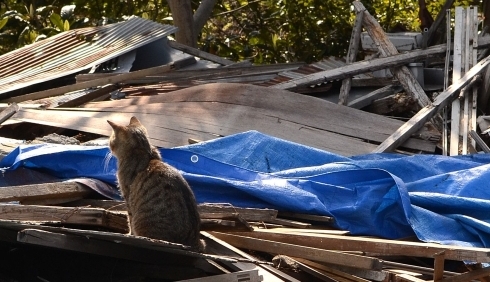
point(187, 96)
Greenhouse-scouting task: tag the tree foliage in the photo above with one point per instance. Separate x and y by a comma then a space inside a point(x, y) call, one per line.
point(263, 31)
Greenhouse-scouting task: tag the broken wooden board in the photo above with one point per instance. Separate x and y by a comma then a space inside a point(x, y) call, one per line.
point(64, 215)
point(55, 192)
point(103, 81)
point(362, 67)
point(371, 245)
point(301, 251)
point(207, 111)
point(269, 273)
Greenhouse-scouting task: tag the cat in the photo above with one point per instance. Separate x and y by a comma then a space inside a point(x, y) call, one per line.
point(161, 204)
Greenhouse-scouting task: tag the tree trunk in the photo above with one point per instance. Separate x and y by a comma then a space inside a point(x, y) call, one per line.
point(189, 25)
point(182, 16)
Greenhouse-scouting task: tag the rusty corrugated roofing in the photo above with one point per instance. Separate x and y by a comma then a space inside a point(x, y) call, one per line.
point(75, 50)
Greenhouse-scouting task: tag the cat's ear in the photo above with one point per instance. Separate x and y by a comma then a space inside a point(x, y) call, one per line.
point(134, 121)
point(114, 125)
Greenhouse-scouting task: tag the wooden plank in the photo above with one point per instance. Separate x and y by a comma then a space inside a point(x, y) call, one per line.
point(269, 273)
point(297, 108)
point(301, 251)
point(104, 90)
point(414, 268)
point(479, 141)
point(175, 131)
point(351, 57)
point(198, 53)
point(318, 273)
point(242, 276)
point(201, 74)
point(249, 214)
point(426, 113)
point(439, 266)
point(222, 119)
point(64, 215)
point(458, 64)
point(285, 230)
point(369, 98)
point(311, 217)
point(325, 268)
point(362, 67)
point(371, 245)
point(292, 223)
point(57, 190)
point(387, 49)
point(103, 81)
point(407, 278)
point(8, 112)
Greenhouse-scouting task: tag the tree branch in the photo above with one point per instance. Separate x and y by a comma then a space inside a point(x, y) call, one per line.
point(202, 14)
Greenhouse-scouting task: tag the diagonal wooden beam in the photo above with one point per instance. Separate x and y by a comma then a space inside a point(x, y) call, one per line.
point(402, 73)
point(362, 67)
point(418, 120)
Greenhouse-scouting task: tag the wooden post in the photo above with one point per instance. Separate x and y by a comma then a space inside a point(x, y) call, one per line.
point(351, 57)
point(465, 43)
point(439, 266)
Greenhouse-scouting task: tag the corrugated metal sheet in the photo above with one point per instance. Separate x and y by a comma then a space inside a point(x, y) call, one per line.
point(75, 50)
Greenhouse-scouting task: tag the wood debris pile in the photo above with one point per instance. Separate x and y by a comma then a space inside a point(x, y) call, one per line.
point(60, 231)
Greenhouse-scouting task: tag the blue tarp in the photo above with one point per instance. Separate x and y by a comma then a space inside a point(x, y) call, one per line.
point(437, 198)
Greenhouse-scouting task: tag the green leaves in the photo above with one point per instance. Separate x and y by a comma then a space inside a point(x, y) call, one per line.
point(3, 22)
point(58, 22)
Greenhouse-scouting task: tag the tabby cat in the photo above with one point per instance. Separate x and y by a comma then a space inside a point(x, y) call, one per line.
point(160, 203)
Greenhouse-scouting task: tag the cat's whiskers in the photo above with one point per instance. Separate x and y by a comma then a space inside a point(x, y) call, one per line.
point(107, 160)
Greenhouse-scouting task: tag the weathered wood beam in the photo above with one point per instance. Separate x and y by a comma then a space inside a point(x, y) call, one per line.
point(426, 113)
point(369, 98)
point(205, 210)
point(362, 67)
point(64, 215)
point(387, 49)
point(103, 81)
point(104, 90)
point(301, 251)
point(198, 53)
point(439, 266)
point(8, 112)
point(244, 275)
point(372, 245)
point(217, 246)
point(327, 269)
point(56, 191)
point(351, 57)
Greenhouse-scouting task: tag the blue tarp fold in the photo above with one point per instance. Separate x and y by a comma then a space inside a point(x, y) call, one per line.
point(438, 199)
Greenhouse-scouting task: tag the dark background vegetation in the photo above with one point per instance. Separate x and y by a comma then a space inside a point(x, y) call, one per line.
point(262, 31)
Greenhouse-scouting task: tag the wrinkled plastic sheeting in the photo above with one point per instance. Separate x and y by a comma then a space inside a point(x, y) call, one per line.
point(437, 198)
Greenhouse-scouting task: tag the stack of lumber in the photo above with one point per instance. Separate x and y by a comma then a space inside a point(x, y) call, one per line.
point(85, 232)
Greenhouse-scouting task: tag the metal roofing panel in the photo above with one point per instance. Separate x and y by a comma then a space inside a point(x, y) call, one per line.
point(75, 50)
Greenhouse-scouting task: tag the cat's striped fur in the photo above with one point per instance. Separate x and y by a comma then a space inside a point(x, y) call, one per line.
point(161, 205)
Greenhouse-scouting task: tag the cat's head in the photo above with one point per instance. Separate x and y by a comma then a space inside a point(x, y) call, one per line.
point(129, 138)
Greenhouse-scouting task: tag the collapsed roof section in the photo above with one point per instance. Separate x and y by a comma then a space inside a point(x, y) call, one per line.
point(76, 50)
